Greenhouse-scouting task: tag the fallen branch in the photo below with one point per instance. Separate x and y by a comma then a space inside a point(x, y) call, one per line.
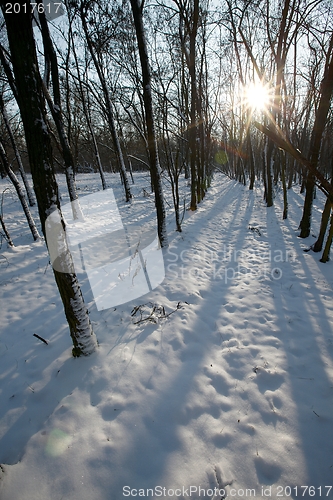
point(41, 338)
point(157, 312)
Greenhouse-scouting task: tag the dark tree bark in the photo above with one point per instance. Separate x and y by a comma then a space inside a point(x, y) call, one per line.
point(7, 69)
point(305, 223)
point(20, 192)
point(251, 160)
point(189, 23)
point(326, 253)
point(316, 139)
point(28, 189)
point(155, 168)
point(108, 104)
point(193, 129)
point(318, 245)
point(87, 115)
point(311, 164)
point(269, 181)
point(31, 103)
point(6, 234)
point(284, 184)
point(56, 111)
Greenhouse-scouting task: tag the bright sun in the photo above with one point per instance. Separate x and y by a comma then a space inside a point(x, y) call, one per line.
point(257, 96)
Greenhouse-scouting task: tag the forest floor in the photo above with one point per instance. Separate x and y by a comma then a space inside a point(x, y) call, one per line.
point(230, 395)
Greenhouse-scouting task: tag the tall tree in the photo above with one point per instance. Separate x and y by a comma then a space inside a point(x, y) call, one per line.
point(55, 106)
point(316, 138)
point(19, 190)
point(28, 189)
point(188, 30)
point(85, 107)
point(137, 7)
point(83, 10)
point(32, 107)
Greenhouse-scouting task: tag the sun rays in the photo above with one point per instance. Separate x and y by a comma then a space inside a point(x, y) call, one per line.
point(257, 97)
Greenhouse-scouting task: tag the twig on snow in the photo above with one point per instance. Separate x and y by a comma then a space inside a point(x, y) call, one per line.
point(41, 338)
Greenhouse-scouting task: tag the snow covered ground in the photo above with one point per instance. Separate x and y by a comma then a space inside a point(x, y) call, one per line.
point(226, 391)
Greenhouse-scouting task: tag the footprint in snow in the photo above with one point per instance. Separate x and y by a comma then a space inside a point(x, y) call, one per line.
point(110, 412)
point(227, 344)
point(267, 380)
point(230, 308)
point(219, 383)
point(268, 472)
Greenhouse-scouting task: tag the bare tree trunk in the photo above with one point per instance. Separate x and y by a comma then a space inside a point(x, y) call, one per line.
point(88, 119)
point(317, 247)
point(305, 223)
point(56, 111)
point(316, 138)
point(108, 106)
point(284, 184)
point(193, 126)
point(5, 234)
point(311, 164)
point(326, 253)
point(31, 103)
point(20, 193)
point(28, 189)
point(268, 162)
point(155, 168)
point(251, 158)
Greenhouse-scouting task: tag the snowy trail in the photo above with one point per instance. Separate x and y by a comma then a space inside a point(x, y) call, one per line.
point(232, 391)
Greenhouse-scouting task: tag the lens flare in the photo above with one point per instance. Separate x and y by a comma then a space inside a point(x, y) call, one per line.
point(257, 96)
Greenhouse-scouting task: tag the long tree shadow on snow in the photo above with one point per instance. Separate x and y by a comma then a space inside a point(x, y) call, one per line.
point(181, 403)
point(172, 411)
point(304, 330)
point(157, 432)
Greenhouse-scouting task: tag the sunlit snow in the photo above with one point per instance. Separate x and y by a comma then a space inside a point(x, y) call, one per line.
point(219, 381)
